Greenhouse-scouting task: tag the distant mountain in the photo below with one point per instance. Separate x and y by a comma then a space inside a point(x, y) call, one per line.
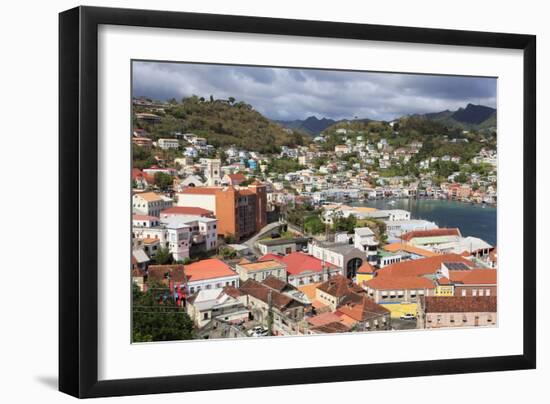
point(471, 117)
point(474, 114)
point(311, 125)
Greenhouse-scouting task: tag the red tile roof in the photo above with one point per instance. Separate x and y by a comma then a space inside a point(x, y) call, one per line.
point(331, 328)
point(200, 190)
point(460, 304)
point(361, 308)
point(263, 293)
point(187, 210)
point(208, 269)
point(136, 173)
point(406, 282)
point(323, 318)
point(474, 277)
point(298, 262)
point(394, 247)
point(339, 286)
point(160, 272)
point(422, 266)
point(366, 268)
point(144, 217)
point(430, 233)
point(236, 178)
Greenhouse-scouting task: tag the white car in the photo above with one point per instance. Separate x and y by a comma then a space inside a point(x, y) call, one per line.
point(408, 316)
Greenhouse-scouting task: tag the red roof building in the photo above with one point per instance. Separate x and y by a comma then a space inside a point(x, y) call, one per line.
point(186, 211)
point(233, 179)
point(303, 269)
point(430, 233)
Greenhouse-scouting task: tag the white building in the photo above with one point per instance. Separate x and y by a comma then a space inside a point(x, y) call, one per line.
point(395, 228)
point(176, 238)
point(150, 203)
point(202, 229)
point(210, 304)
point(342, 255)
point(166, 144)
point(365, 240)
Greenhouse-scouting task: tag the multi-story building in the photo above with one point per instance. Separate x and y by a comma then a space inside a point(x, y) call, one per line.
point(144, 142)
point(457, 311)
point(203, 230)
point(166, 144)
point(343, 255)
point(399, 287)
point(182, 235)
point(260, 270)
point(215, 304)
point(303, 269)
point(189, 279)
point(150, 203)
point(273, 305)
point(365, 240)
point(241, 212)
point(155, 235)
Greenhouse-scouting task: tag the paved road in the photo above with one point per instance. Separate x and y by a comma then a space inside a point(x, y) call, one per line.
point(398, 324)
point(251, 242)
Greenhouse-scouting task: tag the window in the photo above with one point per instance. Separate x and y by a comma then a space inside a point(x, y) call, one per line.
point(481, 292)
point(487, 292)
point(205, 316)
point(463, 292)
point(474, 292)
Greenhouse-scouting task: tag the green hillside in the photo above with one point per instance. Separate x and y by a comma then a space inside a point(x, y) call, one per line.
point(222, 123)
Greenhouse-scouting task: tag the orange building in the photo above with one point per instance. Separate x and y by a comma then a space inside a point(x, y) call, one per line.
point(241, 211)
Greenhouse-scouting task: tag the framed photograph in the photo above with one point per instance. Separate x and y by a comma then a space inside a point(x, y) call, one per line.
point(251, 202)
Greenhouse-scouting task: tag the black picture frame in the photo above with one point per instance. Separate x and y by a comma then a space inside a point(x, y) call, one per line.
point(78, 195)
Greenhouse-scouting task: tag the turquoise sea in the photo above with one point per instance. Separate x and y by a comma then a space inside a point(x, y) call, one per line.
point(472, 219)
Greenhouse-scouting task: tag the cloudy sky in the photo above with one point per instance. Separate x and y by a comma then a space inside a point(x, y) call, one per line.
point(287, 94)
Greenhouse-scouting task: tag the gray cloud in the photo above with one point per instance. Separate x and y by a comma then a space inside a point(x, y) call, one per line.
point(283, 93)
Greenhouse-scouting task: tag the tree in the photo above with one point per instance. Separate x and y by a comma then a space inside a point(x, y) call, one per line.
point(314, 225)
point(346, 224)
point(157, 317)
point(461, 178)
point(163, 181)
point(231, 100)
point(163, 256)
point(230, 238)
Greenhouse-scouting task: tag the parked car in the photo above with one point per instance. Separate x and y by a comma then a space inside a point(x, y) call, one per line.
point(408, 316)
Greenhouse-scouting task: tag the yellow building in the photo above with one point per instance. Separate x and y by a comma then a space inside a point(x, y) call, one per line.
point(364, 273)
point(398, 309)
point(444, 288)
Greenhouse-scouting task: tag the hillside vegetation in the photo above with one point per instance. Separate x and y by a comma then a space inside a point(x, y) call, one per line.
point(222, 123)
